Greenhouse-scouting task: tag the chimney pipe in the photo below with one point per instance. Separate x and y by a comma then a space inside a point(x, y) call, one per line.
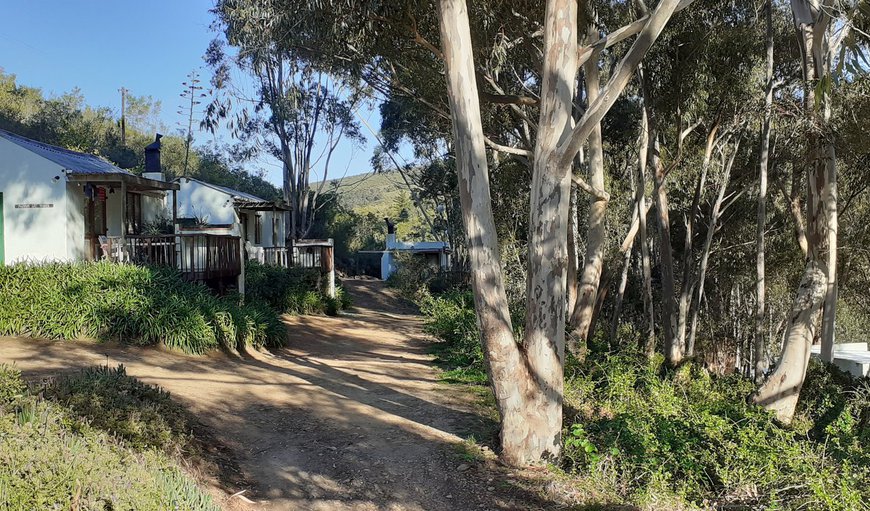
point(152, 155)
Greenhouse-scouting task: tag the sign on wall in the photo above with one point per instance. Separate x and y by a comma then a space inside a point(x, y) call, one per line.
point(33, 206)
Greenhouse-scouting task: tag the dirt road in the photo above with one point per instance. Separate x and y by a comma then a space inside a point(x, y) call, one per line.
point(350, 416)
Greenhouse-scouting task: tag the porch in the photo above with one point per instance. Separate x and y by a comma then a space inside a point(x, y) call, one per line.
point(199, 257)
point(134, 219)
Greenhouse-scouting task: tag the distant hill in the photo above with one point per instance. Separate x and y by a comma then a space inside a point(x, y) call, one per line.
point(366, 193)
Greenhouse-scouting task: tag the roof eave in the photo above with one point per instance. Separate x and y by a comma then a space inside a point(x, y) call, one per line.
point(137, 182)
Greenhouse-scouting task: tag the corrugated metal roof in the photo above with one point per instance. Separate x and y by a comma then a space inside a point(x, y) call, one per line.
point(234, 193)
point(72, 161)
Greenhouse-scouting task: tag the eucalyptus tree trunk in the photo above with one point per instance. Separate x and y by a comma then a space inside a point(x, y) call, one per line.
point(761, 221)
point(509, 376)
point(548, 226)
point(583, 312)
point(527, 379)
point(672, 346)
point(705, 252)
point(780, 391)
point(573, 262)
point(689, 284)
point(649, 345)
point(829, 153)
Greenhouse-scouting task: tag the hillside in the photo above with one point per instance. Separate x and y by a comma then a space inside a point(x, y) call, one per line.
point(374, 193)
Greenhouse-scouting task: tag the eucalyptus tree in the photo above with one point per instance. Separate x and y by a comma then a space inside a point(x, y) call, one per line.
point(297, 113)
point(404, 48)
point(829, 40)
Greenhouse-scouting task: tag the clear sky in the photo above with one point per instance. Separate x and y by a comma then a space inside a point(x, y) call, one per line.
point(147, 47)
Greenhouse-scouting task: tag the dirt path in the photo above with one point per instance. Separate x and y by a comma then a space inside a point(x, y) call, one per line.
point(350, 416)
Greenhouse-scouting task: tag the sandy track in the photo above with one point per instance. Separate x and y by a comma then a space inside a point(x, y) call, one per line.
point(350, 416)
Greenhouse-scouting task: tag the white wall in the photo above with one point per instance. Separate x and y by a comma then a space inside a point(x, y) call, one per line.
point(156, 207)
point(200, 201)
point(32, 233)
point(75, 221)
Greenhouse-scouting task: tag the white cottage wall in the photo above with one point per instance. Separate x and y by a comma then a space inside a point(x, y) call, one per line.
point(34, 206)
point(196, 200)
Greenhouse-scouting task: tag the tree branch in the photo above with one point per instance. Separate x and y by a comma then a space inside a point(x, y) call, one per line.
point(617, 83)
point(581, 183)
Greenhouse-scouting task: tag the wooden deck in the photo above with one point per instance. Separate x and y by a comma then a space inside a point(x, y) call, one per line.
point(199, 257)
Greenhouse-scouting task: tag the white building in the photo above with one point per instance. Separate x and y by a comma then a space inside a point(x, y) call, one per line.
point(851, 357)
point(57, 204)
point(436, 253)
point(208, 208)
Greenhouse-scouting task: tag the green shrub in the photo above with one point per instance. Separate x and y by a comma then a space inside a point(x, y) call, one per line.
point(290, 290)
point(50, 458)
point(126, 303)
point(12, 386)
point(695, 436)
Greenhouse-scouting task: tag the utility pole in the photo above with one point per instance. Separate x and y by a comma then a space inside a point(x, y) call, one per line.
point(123, 92)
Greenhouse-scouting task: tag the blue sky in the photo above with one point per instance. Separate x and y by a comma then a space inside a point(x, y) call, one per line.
point(147, 47)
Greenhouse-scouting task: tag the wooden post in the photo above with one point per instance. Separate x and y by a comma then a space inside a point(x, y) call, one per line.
point(328, 263)
point(123, 251)
point(241, 279)
point(175, 211)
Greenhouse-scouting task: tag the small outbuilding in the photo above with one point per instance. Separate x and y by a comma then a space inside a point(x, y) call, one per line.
point(435, 253)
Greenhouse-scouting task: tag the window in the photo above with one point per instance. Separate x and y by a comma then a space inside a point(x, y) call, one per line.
point(258, 227)
point(134, 213)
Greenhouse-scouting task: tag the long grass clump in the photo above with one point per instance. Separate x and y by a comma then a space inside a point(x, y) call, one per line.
point(130, 304)
point(292, 290)
point(52, 457)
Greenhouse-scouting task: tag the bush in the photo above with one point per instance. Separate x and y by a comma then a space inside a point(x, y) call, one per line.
point(130, 304)
point(692, 436)
point(290, 290)
point(50, 458)
point(451, 319)
point(141, 415)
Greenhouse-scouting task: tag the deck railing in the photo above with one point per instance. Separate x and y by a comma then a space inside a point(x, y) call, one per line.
point(199, 257)
point(275, 256)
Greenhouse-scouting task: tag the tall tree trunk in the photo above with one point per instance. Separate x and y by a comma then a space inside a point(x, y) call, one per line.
point(573, 262)
point(780, 391)
point(761, 221)
point(829, 314)
point(689, 284)
point(705, 253)
point(581, 318)
point(511, 382)
point(649, 345)
point(672, 346)
point(544, 339)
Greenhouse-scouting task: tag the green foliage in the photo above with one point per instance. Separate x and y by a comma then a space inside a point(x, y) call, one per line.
point(141, 415)
point(412, 276)
point(695, 436)
point(53, 458)
point(130, 304)
point(450, 318)
point(291, 290)
point(12, 387)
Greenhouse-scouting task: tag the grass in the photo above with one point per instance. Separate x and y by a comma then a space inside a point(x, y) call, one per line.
point(130, 304)
point(104, 449)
